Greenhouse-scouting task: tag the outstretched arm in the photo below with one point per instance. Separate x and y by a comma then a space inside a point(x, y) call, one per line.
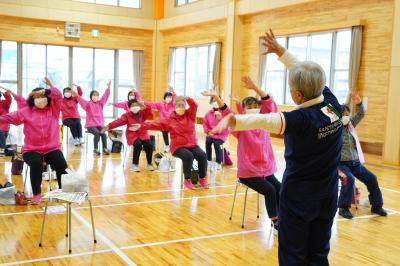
point(192, 111)
point(360, 111)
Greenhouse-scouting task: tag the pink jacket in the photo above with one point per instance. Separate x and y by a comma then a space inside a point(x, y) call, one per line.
point(69, 106)
point(164, 109)
point(210, 121)
point(5, 109)
point(124, 104)
point(130, 119)
point(181, 127)
point(94, 110)
point(21, 102)
point(41, 129)
point(254, 150)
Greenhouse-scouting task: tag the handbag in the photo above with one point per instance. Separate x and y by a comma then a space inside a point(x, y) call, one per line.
point(74, 182)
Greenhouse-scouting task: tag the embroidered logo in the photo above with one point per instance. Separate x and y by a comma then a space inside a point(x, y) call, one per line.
point(329, 113)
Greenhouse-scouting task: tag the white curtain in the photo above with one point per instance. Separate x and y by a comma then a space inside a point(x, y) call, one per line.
point(138, 68)
point(170, 66)
point(216, 65)
point(355, 58)
point(262, 66)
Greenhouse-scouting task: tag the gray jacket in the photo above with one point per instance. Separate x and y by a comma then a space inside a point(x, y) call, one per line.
point(349, 149)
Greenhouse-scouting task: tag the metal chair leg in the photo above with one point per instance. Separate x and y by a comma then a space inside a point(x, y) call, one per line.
point(127, 152)
point(91, 217)
point(234, 199)
point(26, 176)
point(49, 175)
point(258, 205)
point(66, 220)
point(43, 221)
point(69, 229)
point(244, 206)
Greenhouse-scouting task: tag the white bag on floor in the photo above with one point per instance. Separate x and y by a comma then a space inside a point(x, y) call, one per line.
point(74, 182)
point(7, 195)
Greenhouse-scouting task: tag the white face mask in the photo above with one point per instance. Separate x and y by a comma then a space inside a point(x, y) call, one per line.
point(345, 120)
point(180, 111)
point(67, 95)
point(215, 105)
point(95, 98)
point(168, 99)
point(40, 102)
point(252, 111)
point(131, 97)
point(135, 109)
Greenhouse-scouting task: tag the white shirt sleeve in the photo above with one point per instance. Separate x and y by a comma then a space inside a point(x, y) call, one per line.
point(288, 59)
point(272, 122)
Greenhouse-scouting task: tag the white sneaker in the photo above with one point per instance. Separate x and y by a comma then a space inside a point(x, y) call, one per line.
point(77, 142)
point(45, 176)
point(135, 168)
point(81, 141)
point(150, 167)
point(218, 167)
point(166, 148)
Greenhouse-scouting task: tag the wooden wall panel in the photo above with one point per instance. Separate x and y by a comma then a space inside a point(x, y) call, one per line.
point(377, 16)
point(44, 31)
point(209, 32)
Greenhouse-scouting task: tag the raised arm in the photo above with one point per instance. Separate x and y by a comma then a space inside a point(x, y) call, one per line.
point(239, 108)
point(138, 95)
point(106, 94)
point(15, 118)
point(82, 102)
point(123, 120)
point(79, 89)
point(192, 111)
point(268, 105)
point(215, 96)
point(121, 105)
point(7, 99)
point(360, 111)
point(56, 100)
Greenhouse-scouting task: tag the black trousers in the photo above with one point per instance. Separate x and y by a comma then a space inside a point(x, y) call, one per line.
point(3, 137)
point(165, 135)
point(305, 230)
point(96, 133)
point(187, 155)
point(35, 161)
point(137, 148)
point(269, 187)
point(217, 147)
point(75, 126)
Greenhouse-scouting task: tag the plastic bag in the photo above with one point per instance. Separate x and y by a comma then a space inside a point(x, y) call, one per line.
point(74, 182)
point(7, 195)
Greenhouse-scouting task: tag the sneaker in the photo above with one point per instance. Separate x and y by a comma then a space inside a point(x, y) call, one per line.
point(150, 167)
point(81, 141)
point(96, 152)
point(36, 199)
point(135, 168)
point(380, 211)
point(203, 182)
point(275, 226)
point(2, 152)
point(166, 148)
point(345, 213)
point(106, 152)
point(76, 142)
point(188, 184)
point(218, 167)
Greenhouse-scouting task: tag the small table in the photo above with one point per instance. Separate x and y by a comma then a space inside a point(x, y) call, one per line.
point(68, 199)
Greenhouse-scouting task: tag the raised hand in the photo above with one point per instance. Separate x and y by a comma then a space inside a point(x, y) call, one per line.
point(75, 85)
point(48, 82)
point(248, 83)
point(224, 123)
point(211, 93)
point(235, 98)
point(134, 127)
point(272, 45)
point(36, 94)
point(74, 93)
point(355, 97)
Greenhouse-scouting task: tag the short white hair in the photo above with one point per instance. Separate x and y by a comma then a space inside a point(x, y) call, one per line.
point(307, 77)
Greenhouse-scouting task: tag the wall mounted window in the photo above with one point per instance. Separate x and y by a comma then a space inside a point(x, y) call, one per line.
point(184, 2)
point(122, 3)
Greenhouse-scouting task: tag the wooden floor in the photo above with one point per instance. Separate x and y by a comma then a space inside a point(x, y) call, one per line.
point(146, 219)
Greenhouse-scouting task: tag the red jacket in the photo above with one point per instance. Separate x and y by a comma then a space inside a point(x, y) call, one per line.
point(5, 109)
point(181, 127)
point(130, 119)
point(69, 106)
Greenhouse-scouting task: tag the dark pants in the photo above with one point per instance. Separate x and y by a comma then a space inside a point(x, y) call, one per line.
point(165, 135)
point(96, 133)
point(75, 126)
point(269, 187)
point(305, 230)
point(137, 148)
point(35, 161)
point(187, 155)
point(354, 169)
point(3, 137)
point(217, 147)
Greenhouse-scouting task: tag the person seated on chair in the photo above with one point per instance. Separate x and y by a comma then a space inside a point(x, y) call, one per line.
point(181, 125)
point(70, 115)
point(256, 165)
point(95, 117)
point(351, 164)
point(211, 119)
point(137, 114)
point(41, 134)
point(4, 128)
point(134, 94)
point(165, 108)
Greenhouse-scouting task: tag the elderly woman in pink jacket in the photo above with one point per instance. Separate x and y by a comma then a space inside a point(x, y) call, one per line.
point(134, 94)
point(95, 117)
point(256, 163)
point(42, 134)
point(211, 119)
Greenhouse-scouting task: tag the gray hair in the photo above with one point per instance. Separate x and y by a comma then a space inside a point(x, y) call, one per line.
point(307, 77)
point(178, 99)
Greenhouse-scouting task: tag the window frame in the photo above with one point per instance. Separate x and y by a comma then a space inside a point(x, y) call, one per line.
point(186, 3)
point(118, 4)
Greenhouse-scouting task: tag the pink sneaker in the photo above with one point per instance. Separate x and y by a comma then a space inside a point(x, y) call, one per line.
point(36, 199)
point(188, 184)
point(203, 182)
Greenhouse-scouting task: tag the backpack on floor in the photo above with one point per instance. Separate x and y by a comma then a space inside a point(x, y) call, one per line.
point(116, 146)
point(17, 163)
point(7, 194)
point(227, 159)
